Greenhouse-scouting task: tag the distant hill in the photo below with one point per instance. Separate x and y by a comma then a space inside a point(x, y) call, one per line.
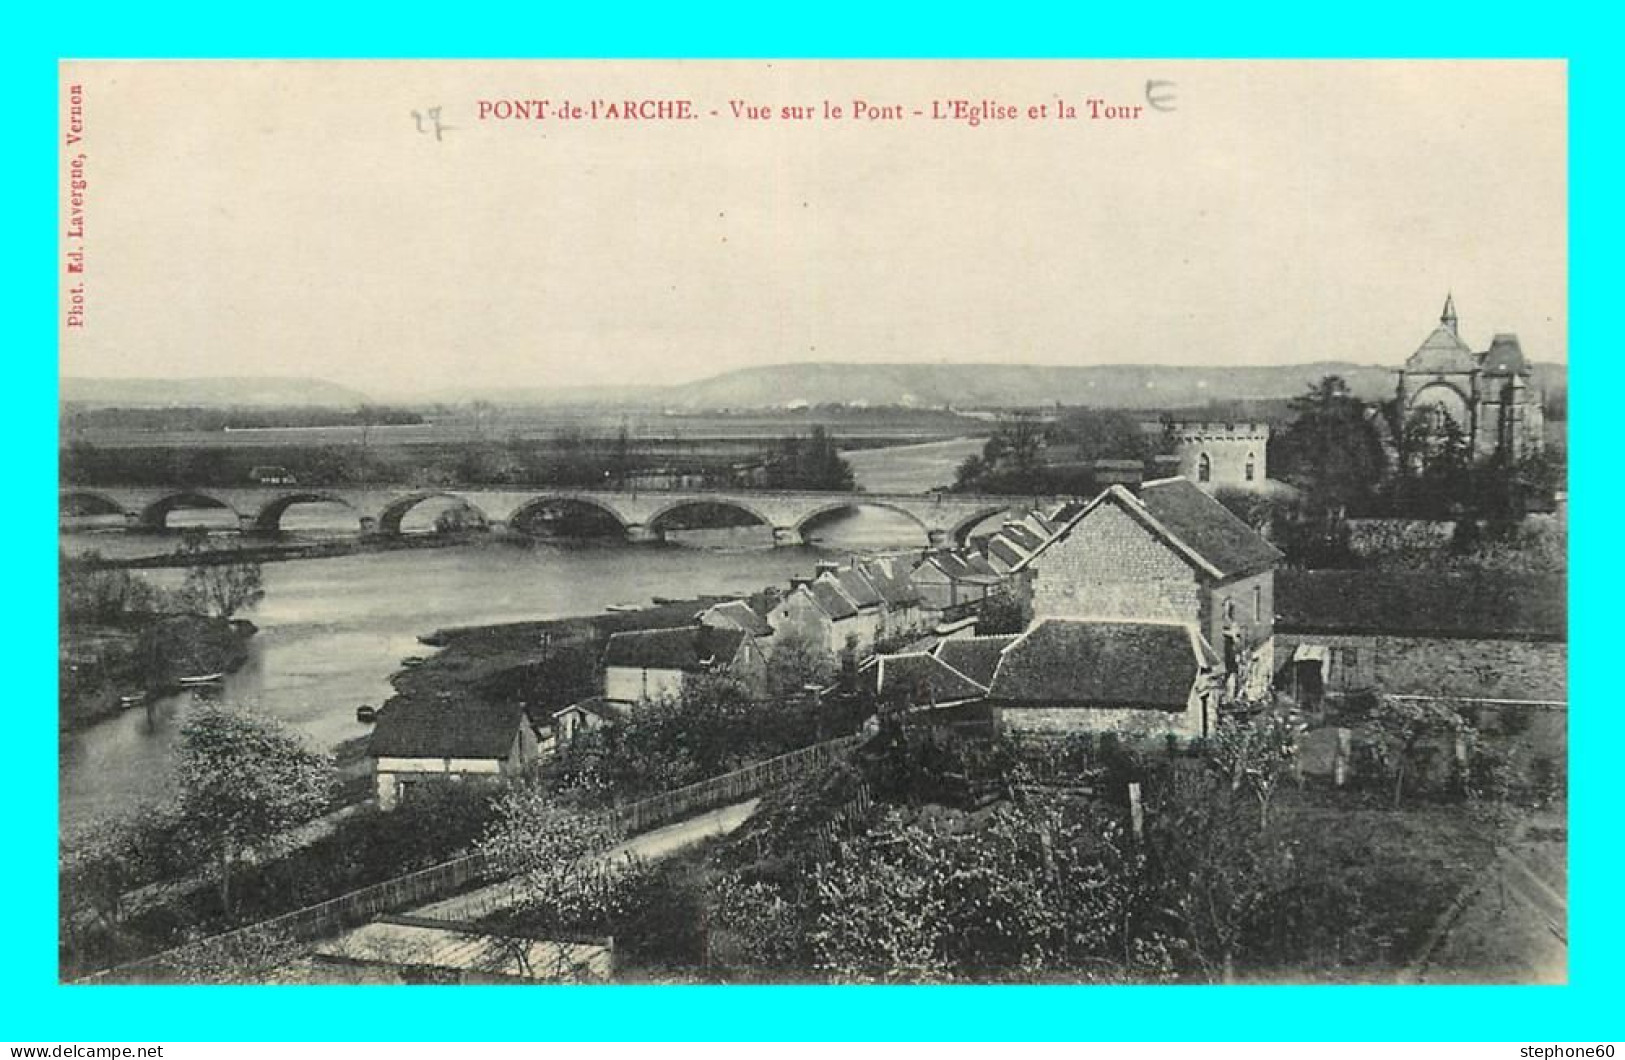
point(1123, 386)
point(240, 392)
point(962, 386)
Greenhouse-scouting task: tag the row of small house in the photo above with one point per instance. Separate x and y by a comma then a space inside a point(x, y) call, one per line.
point(840, 608)
point(1148, 608)
point(837, 608)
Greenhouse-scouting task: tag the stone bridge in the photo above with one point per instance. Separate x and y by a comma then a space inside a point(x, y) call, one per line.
point(641, 514)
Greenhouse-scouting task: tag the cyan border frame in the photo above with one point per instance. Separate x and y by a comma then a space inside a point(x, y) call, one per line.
point(33, 1007)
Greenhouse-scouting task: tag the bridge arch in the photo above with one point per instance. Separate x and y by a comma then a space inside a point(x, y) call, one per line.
point(857, 503)
point(269, 519)
point(653, 522)
point(156, 514)
point(516, 520)
point(389, 520)
point(960, 530)
point(77, 502)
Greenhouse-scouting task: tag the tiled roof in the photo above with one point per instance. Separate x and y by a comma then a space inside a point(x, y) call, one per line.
point(445, 728)
point(1082, 663)
point(1416, 603)
point(417, 942)
point(1208, 527)
point(831, 600)
point(857, 588)
point(975, 657)
point(979, 567)
point(892, 582)
point(962, 568)
point(1067, 512)
point(1203, 531)
point(1505, 356)
point(687, 648)
point(1021, 536)
point(924, 679)
point(1001, 551)
point(744, 616)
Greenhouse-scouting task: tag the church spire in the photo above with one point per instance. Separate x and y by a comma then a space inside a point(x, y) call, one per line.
point(1448, 317)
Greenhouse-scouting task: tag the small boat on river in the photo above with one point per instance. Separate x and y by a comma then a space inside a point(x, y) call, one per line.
point(414, 660)
point(366, 713)
point(623, 608)
point(199, 679)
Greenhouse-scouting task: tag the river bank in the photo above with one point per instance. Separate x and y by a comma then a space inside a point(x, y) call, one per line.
point(107, 668)
point(546, 664)
point(263, 552)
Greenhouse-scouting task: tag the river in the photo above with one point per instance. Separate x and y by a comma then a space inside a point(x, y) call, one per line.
point(333, 630)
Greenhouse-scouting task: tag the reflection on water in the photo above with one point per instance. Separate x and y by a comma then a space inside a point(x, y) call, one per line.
point(333, 630)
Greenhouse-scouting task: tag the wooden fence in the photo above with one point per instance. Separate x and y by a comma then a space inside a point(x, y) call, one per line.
point(732, 787)
point(450, 877)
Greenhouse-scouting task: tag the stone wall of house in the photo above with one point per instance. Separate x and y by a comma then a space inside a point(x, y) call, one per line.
point(1110, 566)
point(1127, 723)
point(389, 774)
point(1434, 666)
point(800, 620)
point(633, 684)
point(1247, 602)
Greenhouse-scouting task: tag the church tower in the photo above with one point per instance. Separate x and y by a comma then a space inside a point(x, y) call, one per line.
point(1486, 395)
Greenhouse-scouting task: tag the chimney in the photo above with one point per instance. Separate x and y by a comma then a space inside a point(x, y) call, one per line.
point(828, 566)
point(799, 583)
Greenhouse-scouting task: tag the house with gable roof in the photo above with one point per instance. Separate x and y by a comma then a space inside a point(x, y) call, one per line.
point(650, 664)
point(418, 740)
point(1135, 679)
point(736, 614)
point(956, 581)
point(1169, 553)
point(919, 680)
point(906, 611)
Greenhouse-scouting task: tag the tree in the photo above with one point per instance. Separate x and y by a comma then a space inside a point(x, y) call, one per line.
point(1397, 730)
point(1012, 459)
point(1216, 873)
point(1331, 447)
point(1002, 613)
point(215, 585)
point(562, 861)
point(95, 594)
point(102, 861)
point(811, 464)
point(243, 779)
point(1254, 756)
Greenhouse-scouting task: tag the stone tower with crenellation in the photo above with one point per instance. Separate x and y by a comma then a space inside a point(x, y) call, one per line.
point(1222, 455)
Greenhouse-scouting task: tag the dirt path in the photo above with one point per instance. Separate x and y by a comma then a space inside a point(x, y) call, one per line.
point(650, 846)
point(1512, 927)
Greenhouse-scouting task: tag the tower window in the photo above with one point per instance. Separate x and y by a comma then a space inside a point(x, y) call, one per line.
point(1250, 466)
point(1204, 469)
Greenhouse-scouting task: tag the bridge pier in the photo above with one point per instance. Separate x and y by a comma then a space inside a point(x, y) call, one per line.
point(786, 537)
point(248, 524)
point(369, 526)
point(938, 537)
point(642, 534)
point(133, 521)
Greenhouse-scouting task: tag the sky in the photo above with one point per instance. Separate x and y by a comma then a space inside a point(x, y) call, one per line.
point(297, 219)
